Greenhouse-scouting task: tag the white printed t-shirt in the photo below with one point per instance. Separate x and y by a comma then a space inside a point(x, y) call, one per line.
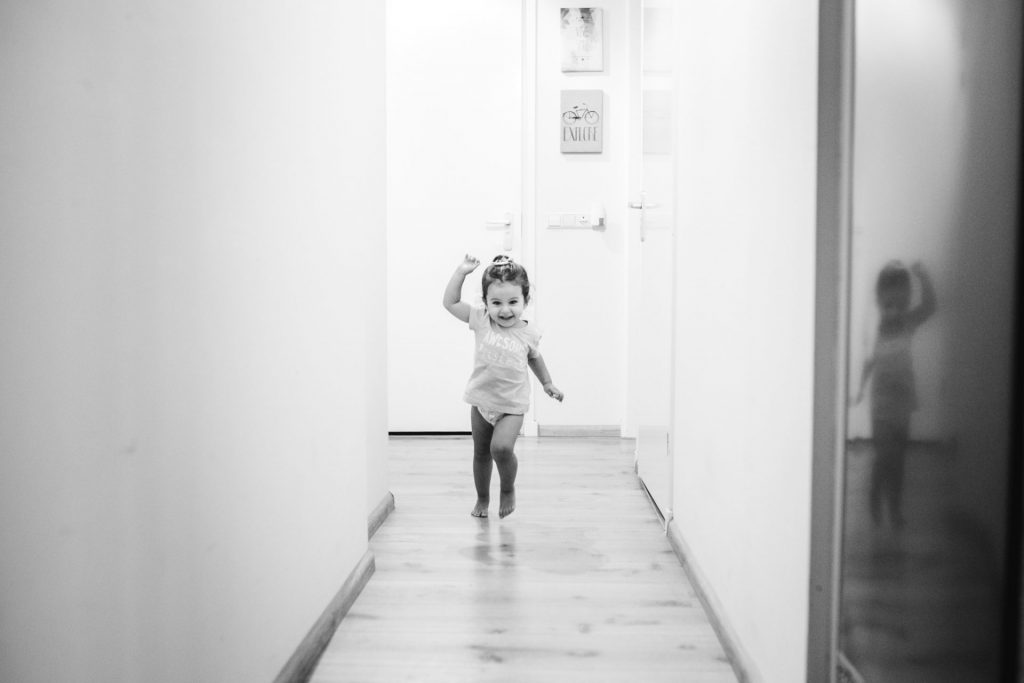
point(500, 379)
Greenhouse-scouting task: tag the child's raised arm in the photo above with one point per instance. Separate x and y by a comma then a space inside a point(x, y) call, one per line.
point(453, 292)
point(926, 308)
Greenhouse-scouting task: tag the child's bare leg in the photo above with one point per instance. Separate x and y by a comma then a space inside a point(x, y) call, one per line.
point(482, 464)
point(503, 443)
point(899, 457)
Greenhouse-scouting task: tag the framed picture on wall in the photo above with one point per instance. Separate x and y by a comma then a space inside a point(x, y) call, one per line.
point(582, 39)
point(582, 121)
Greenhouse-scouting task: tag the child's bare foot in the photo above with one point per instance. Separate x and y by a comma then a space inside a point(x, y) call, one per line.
point(507, 504)
point(480, 509)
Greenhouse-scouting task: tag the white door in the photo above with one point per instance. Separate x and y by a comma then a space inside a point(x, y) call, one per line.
point(454, 186)
point(652, 191)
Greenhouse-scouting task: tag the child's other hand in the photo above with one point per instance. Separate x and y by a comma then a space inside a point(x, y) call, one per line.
point(468, 265)
point(552, 391)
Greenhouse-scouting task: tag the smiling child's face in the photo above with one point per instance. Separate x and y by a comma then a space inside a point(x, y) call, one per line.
point(505, 303)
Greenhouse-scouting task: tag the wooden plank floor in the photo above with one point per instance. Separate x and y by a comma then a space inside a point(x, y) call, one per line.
point(579, 583)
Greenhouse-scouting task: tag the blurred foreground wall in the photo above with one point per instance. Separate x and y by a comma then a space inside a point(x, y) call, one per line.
point(189, 381)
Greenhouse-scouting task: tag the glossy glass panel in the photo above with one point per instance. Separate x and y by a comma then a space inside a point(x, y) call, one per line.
point(931, 346)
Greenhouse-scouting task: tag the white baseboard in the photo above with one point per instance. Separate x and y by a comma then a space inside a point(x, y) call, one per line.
point(580, 430)
point(302, 663)
point(380, 513)
point(742, 665)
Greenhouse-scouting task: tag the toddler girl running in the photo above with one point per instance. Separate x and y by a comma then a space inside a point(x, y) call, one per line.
point(499, 388)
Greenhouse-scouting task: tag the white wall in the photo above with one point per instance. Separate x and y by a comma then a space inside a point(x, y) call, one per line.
point(580, 299)
point(744, 315)
point(184, 415)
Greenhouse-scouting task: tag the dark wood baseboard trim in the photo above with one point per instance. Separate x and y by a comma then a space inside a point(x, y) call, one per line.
point(302, 663)
point(380, 513)
point(738, 656)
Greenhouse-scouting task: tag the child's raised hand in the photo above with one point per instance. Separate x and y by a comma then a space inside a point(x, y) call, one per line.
point(552, 391)
point(468, 265)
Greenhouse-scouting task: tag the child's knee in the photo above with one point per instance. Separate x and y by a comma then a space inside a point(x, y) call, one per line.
point(502, 452)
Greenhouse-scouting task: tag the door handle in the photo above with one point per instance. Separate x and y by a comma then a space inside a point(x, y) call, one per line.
point(642, 204)
point(504, 222)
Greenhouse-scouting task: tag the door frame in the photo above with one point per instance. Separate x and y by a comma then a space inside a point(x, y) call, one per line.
point(833, 232)
point(528, 202)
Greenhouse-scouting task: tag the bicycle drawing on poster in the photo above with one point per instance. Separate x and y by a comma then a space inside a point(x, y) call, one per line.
point(579, 113)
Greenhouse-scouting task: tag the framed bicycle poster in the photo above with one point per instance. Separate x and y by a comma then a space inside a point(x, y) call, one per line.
point(582, 121)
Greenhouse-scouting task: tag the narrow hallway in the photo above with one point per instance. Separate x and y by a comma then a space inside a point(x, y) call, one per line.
point(579, 579)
